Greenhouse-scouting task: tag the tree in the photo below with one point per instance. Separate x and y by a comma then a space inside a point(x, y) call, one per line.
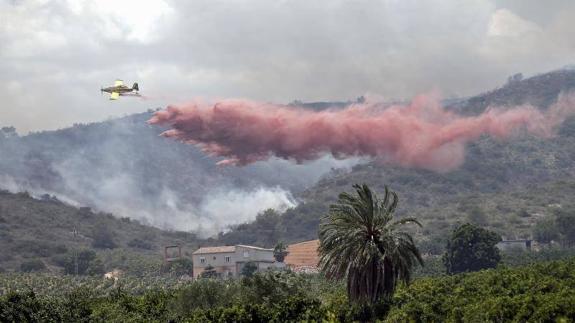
point(86, 262)
point(565, 219)
point(209, 272)
point(249, 269)
point(360, 242)
point(280, 252)
point(545, 231)
point(182, 266)
point(471, 248)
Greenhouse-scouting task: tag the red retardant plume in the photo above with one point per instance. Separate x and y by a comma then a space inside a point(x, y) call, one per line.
point(422, 134)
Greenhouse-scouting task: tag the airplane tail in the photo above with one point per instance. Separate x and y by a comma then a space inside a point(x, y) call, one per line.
point(135, 87)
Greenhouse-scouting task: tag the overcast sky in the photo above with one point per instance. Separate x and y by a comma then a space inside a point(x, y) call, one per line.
point(55, 55)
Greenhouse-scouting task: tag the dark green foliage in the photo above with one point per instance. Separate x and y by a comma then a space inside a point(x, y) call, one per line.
point(209, 272)
point(293, 309)
point(249, 269)
point(545, 231)
point(360, 242)
point(205, 294)
point(140, 244)
point(86, 261)
point(280, 252)
point(565, 218)
point(542, 292)
point(26, 307)
point(32, 265)
point(103, 237)
point(471, 248)
point(272, 287)
point(179, 267)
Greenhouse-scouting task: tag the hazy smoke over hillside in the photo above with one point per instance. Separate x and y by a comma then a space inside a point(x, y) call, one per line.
point(422, 134)
point(124, 167)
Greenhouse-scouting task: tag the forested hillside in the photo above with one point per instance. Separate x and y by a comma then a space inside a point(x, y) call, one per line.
point(46, 231)
point(124, 167)
point(507, 186)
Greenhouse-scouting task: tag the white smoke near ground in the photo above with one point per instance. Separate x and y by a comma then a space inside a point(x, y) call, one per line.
point(218, 210)
point(229, 207)
point(112, 168)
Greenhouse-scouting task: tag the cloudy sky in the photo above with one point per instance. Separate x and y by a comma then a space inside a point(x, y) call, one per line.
point(55, 54)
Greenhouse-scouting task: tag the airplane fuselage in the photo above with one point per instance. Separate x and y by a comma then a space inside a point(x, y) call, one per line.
point(119, 89)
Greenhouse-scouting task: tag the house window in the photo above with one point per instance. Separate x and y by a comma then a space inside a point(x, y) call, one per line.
point(246, 254)
point(202, 260)
point(227, 258)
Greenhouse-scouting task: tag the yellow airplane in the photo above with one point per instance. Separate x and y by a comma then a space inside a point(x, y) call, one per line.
point(119, 89)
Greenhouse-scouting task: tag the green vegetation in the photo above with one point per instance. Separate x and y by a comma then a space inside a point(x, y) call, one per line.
point(32, 265)
point(471, 248)
point(249, 269)
point(504, 186)
point(360, 243)
point(50, 231)
point(542, 292)
point(280, 252)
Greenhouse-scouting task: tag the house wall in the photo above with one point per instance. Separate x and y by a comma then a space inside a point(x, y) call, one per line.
point(261, 257)
point(216, 260)
point(514, 244)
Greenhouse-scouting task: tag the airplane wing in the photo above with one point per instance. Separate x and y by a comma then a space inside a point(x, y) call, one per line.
point(118, 83)
point(114, 96)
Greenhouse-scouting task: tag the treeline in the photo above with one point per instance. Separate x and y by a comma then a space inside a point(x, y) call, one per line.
point(539, 292)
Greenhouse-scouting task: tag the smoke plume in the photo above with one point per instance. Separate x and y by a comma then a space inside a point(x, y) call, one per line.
point(422, 134)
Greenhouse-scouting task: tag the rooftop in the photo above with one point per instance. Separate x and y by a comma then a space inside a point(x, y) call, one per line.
point(215, 250)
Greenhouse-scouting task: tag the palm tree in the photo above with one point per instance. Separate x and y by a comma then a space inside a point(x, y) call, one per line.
point(360, 242)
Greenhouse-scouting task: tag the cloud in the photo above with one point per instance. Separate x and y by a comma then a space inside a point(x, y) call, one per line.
point(60, 52)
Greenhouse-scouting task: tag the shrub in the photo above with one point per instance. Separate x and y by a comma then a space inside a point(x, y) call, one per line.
point(86, 261)
point(103, 237)
point(140, 244)
point(249, 269)
point(179, 267)
point(32, 265)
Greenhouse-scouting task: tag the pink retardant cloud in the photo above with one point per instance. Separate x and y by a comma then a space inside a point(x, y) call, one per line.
point(422, 134)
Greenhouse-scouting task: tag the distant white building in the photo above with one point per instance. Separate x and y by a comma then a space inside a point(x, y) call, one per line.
point(523, 244)
point(228, 261)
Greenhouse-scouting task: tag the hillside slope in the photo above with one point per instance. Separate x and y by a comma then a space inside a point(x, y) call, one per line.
point(123, 166)
point(514, 174)
point(44, 229)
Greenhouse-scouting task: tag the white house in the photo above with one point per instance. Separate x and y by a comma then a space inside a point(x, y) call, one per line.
point(228, 261)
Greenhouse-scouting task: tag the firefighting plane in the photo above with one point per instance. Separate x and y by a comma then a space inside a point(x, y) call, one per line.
point(119, 89)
